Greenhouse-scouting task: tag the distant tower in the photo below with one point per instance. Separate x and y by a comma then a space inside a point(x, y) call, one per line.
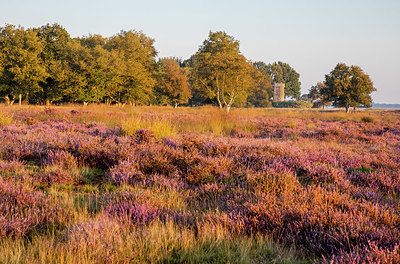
point(279, 92)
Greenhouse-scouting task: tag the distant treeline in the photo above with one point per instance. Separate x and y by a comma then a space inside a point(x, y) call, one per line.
point(45, 65)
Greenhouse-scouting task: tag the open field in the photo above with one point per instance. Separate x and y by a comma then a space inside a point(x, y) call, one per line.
point(102, 184)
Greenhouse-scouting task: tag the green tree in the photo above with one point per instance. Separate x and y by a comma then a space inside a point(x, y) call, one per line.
point(21, 65)
point(261, 94)
point(281, 72)
point(92, 41)
point(107, 63)
point(135, 54)
point(87, 75)
point(317, 98)
point(220, 72)
point(55, 39)
point(348, 87)
point(172, 82)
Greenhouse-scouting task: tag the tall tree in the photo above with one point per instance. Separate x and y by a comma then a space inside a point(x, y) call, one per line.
point(55, 39)
point(22, 67)
point(107, 67)
point(137, 65)
point(172, 82)
point(86, 78)
point(281, 72)
point(220, 72)
point(348, 87)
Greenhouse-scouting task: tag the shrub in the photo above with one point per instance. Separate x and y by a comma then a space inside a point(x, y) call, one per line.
point(367, 119)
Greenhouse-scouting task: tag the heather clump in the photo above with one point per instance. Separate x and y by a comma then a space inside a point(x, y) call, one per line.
point(57, 175)
point(130, 209)
point(23, 210)
point(12, 169)
point(61, 158)
point(126, 172)
point(370, 254)
point(367, 119)
point(144, 136)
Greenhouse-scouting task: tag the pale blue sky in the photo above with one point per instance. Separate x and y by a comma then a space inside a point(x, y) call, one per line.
point(312, 36)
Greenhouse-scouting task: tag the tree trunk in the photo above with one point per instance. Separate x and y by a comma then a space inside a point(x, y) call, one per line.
point(227, 108)
point(218, 92)
point(347, 109)
point(85, 103)
point(48, 103)
point(20, 99)
point(219, 101)
point(176, 105)
point(26, 100)
point(7, 99)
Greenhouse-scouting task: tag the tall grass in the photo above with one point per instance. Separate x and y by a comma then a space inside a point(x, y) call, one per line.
point(161, 127)
point(6, 119)
point(103, 241)
point(167, 121)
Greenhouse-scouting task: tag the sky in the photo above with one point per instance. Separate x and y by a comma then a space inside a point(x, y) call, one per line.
point(310, 35)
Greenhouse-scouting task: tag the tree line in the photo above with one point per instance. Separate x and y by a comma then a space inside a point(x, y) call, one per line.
point(46, 65)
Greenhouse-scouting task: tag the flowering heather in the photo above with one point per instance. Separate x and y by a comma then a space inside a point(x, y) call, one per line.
point(130, 209)
point(23, 210)
point(13, 168)
point(125, 172)
point(327, 187)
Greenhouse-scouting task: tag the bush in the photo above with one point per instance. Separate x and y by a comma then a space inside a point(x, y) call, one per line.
point(367, 119)
point(292, 104)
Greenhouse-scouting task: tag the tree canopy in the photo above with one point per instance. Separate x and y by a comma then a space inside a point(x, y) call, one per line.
point(348, 87)
point(172, 82)
point(220, 72)
point(21, 66)
point(55, 39)
point(262, 92)
point(136, 54)
point(316, 97)
point(49, 65)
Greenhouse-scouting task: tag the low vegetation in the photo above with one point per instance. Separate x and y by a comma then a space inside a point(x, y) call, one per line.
point(103, 184)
